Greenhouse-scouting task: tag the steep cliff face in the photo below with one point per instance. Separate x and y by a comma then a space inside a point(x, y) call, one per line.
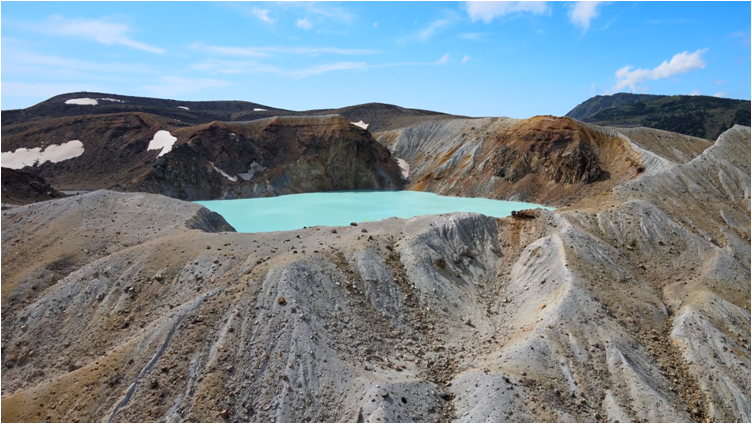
point(269, 157)
point(542, 159)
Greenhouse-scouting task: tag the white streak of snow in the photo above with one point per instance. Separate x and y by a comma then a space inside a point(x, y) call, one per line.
point(162, 140)
point(53, 153)
point(259, 110)
point(404, 167)
point(183, 107)
point(111, 100)
point(83, 102)
point(225, 174)
point(360, 124)
point(254, 168)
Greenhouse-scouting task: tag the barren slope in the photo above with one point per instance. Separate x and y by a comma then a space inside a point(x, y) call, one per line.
point(631, 305)
point(272, 156)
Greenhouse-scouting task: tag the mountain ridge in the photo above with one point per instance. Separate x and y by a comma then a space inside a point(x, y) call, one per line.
point(698, 116)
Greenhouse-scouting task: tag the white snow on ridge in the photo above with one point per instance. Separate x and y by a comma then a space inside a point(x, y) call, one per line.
point(54, 153)
point(253, 168)
point(257, 109)
point(83, 102)
point(225, 174)
point(183, 107)
point(162, 140)
point(360, 124)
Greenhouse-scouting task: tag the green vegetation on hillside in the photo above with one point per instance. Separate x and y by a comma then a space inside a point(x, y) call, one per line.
point(698, 116)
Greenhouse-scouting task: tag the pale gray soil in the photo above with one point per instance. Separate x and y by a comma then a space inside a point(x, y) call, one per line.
point(632, 304)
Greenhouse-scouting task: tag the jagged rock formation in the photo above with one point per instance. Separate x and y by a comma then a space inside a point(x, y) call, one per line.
point(630, 304)
point(542, 159)
point(216, 160)
point(20, 188)
point(291, 154)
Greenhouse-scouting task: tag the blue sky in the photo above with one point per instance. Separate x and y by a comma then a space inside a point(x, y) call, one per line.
point(515, 59)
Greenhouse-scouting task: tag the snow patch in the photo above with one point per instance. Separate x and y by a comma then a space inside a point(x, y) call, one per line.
point(253, 169)
point(111, 100)
point(225, 174)
point(83, 102)
point(257, 109)
point(183, 107)
point(162, 140)
point(360, 124)
point(31, 157)
point(404, 167)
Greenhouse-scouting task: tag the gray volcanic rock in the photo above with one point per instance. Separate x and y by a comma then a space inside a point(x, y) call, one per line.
point(630, 305)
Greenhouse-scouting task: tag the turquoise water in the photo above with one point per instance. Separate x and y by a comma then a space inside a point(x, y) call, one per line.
point(296, 211)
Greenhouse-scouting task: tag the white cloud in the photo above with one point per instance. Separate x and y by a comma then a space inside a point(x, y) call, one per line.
point(229, 50)
point(695, 93)
point(465, 59)
point(265, 51)
point(721, 94)
point(18, 61)
point(234, 66)
point(101, 31)
point(583, 12)
point(326, 10)
point(432, 29)
point(356, 66)
point(304, 23)
point(475, 36)
point(720, 82)
point(172, 86)
point(488, 10)
point(320, 69)
point(375, 24)
point(681, 63)
point(263, 14)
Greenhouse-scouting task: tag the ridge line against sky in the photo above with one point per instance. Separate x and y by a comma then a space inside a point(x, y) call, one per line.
point(513, 59)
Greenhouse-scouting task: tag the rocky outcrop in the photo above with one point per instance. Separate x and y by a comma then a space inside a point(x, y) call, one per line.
point(267, 157)
point(542, 159)
point(270, 157)
point(20, 188)
point(632, 305)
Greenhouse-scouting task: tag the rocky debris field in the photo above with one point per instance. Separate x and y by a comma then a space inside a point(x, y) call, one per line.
point(632, 303)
